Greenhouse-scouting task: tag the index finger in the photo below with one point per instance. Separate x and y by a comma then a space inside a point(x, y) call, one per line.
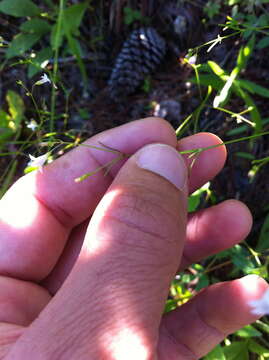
point(39, 211)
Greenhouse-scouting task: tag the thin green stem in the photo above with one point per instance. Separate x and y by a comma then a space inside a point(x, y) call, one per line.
point(198, 150)
point(197, 48)
point(238, 116)
point(30, 94)
point(55, 62)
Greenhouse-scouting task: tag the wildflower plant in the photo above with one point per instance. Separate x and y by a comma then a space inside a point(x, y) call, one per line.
point(44, 35)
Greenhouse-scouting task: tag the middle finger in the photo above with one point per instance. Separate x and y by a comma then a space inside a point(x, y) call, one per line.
point(206, 166)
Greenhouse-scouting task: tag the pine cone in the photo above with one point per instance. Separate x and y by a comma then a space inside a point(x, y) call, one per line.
point(141, 53)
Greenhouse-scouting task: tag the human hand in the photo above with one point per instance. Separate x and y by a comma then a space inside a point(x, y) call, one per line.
point(71, 289)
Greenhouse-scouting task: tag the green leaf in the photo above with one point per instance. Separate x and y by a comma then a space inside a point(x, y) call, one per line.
point(21, 43)
point(193, 202)
point(5, 133)
point(262, 271)
point(5, 130)
point(39, 61)
point(74, 46)
point(37, 26)
point(238, 130)
point(56, 37)
point(263, 19)
point(73, 16)
point(239, 257)
point(263, 241)
point(19, 8)
point(245, 155)
point(203, 282)
point(16, 107)
point(216, 68)
point(245, 53)
point(9, 123)
point(4, 119)
point(222, 97)
point(170, 305)
point(237, 350)
point(216, 354)
point(203, 67)
point(263, 326)
point(263, 43)
point(253, 88)
point(248, 331)
point(243, 56)
point(258, 349)
point(209, 80)
point(195, 198)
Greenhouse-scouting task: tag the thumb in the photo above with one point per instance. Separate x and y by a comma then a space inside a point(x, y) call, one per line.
point(111, 304)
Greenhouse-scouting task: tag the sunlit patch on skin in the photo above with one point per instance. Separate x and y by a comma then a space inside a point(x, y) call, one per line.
point(251, 285)
point(18, 209)
point(94, 243)
point(261, 305)
point(127, 344)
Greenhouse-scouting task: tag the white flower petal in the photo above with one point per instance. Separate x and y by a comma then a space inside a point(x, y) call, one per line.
point(32, 125)
point(44, 79)
point(38, 162)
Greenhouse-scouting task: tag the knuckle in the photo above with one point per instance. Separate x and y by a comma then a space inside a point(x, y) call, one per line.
point(142, 213)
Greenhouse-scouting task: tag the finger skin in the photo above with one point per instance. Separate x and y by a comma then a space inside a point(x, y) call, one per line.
point(45, 206)
point(208, 163)
point(31, 238)
point(196, 327)
point(55, 279)
point(9, 333)
point(112, 301)
point(39, 211)
point(209, 231)
point(214, 229)
point(74, 202)
point(21, 301)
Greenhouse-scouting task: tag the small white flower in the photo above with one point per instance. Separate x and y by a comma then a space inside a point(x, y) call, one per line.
point(192, 59)
point(44, 79)
point(38, 162)
point(32, 125)
point(260, 306)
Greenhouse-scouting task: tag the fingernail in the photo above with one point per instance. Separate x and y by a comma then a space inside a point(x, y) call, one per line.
point(165, 161)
